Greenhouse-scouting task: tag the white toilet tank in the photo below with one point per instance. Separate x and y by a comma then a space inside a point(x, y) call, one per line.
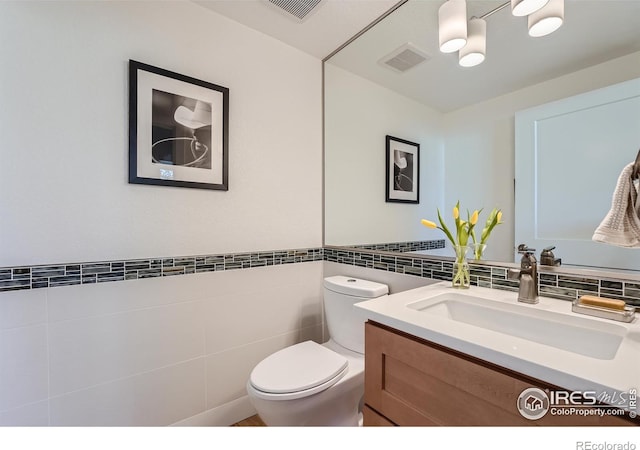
point(345, 323)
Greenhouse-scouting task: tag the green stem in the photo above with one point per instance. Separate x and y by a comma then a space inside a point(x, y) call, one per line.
point(461, 275)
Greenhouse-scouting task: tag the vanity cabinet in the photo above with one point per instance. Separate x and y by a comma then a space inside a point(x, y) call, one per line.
point(410, 381)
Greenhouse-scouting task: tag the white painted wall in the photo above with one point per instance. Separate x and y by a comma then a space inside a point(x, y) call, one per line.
point(159, 351)
point(64, 128)
point(358, 116)
point(479, 143)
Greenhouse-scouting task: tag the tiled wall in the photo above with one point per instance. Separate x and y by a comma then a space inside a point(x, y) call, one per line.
point(551, 283)
point(168, 349)
point(412, 246)
point(34, 277)
point(154, 351)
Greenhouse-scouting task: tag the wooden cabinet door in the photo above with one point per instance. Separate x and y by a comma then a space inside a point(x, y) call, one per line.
point(413, 382)
point(373, 419)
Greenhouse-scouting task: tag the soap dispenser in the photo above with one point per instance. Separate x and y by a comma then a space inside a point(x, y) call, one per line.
point(547, 258)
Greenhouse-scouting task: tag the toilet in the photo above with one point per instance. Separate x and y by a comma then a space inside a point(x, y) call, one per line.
point(309, 384)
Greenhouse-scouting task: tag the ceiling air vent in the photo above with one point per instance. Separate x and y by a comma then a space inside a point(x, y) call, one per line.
point(404, 58)
point(298, 8)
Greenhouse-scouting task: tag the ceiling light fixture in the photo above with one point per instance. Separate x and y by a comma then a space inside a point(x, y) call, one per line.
point(474, 52)
point(452, 25)
point(547, 19)
point(454, 33)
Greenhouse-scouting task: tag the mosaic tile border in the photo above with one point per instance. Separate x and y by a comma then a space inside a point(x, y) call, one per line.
point(409, 246)
point(36, 277)
point(556, 285)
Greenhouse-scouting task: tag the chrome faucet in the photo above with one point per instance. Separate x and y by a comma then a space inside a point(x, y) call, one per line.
point(528, 275)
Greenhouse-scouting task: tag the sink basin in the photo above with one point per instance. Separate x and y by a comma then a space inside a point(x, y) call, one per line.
point(547, 341)
point(579, 335)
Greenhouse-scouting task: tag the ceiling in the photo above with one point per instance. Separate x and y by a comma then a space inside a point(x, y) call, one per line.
point(327, 27)
point(594, 31)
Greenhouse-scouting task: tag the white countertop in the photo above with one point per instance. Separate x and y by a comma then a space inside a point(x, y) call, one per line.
point(563, 368)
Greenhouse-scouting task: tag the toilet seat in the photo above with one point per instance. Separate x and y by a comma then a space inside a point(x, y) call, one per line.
point(297, 371)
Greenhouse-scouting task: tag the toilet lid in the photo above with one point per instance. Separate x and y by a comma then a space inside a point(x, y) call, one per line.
point(297, 368)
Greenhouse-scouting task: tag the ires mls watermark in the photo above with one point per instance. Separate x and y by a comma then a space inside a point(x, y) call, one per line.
point(534, 403)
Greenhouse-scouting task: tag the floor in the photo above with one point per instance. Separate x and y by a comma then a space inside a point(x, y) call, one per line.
point(253, 421)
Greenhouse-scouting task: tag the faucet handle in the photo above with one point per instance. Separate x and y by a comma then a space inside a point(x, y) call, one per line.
point(547, 258)
point(523, 249)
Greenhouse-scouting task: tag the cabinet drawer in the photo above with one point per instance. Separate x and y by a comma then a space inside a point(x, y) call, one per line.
point(413, 382)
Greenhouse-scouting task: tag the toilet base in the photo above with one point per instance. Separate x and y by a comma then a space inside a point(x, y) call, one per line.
point(338, 405)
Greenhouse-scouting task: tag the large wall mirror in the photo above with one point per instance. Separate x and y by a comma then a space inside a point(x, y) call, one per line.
point(393, 80)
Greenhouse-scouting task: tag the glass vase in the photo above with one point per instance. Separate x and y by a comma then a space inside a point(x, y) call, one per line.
point(461, 275)
point(477, 250)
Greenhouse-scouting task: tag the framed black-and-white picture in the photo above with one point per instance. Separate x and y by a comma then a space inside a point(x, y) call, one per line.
point(178, 129)
point(403, 171)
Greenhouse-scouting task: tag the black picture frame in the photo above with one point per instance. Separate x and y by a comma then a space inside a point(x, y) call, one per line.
point(402, 175)
point(178, 129)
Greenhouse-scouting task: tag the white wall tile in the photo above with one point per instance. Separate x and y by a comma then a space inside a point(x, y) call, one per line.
point(235, 281)
point(310, 275)
point(104, 338)
point(309, 290)
point(100, 336)
point(23, 366)
point(75, 302)
point(88, 300)
point(22, 308)
point(236, 320)
point(32, 415)
point(100, 349)
point(228, 371)
point(157, 398)
point(271, 302)
point(314, 333)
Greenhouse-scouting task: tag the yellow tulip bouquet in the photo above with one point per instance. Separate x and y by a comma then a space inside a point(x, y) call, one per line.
point(464, 230)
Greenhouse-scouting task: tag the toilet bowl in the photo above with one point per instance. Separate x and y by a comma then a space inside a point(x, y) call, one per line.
point(311, 384)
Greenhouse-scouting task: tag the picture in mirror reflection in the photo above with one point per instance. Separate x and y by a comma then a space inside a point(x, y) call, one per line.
point(403, 171)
